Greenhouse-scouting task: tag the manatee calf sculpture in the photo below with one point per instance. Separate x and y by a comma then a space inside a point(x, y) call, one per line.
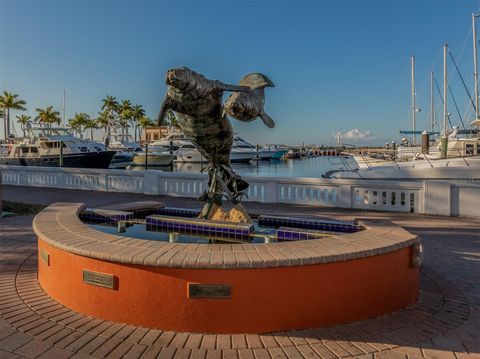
point(247, 106)
point(197, 103)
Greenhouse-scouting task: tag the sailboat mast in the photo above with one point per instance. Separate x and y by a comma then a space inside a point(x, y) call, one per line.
point(475, 65)
point(412, 60)
point(63, 109)
point(445, 113)
point(432, 103)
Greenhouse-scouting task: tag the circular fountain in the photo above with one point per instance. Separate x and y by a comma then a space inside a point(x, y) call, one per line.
point(366, 270)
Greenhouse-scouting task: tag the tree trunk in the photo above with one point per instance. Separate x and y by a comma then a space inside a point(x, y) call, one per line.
point(91, 134)
point(8, 122)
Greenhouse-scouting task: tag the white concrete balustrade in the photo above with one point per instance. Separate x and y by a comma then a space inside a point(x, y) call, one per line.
point(426, 197)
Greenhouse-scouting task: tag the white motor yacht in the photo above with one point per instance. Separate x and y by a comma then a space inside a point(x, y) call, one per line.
point(461, 160)
point(125, 148)
point(188, 153)
point(152, 159)
point(54, 147)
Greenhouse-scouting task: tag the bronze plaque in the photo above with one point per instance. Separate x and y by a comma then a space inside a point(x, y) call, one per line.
point(99, 279)
point(212, 291)
point(45, 256)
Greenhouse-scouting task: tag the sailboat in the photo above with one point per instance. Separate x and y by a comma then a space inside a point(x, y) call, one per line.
point(455, 155)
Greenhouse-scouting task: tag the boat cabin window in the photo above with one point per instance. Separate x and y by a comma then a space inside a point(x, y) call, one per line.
point(47, 132)
point(29, 149)
point(188, 146)
point(469, 149)
point(55, 144)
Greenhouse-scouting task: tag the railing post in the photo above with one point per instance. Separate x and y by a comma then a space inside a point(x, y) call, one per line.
point(150, 182)
point(437, 197)
point(0, 193)
point(344, 199)
point(270, 193)
point(61, 181)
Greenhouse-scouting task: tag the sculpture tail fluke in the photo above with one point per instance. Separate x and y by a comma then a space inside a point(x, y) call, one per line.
point(267, 120)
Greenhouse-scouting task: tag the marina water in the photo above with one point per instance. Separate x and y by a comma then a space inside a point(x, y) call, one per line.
point(302, 167)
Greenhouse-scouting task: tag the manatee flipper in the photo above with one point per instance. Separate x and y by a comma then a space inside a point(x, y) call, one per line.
point(163, 110)
point(231, 88)
point(267, 120)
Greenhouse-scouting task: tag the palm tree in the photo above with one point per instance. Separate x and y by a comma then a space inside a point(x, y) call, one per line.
point(103, 120)
point(91, 125)
point(48, 116)
point(110, 108)
point(10, 101)
point(79, 120)
point(172, 119)
point(23, 120)
point(74, 125)
point(125, 114)
point(143, 122)
point(137, 113)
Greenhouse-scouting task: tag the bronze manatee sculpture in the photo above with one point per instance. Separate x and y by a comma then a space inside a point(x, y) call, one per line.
point(197, 103)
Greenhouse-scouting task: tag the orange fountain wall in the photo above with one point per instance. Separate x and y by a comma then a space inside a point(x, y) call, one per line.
point(263, 300)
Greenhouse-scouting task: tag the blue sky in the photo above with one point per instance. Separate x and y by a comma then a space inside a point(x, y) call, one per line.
point(337, 65)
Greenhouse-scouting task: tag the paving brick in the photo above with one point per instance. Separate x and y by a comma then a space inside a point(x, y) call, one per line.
point(214, 354)
point(136, 351)
point(33, 349)
point(82, 340)
point(7, 355)
point(137, 335)
point(179, 340)
point(253, 341)
point(208, 341)
point(69, 339)
point(106, 348)
point(302, 351)
point(120, 350)
point(246, 354)
point(437, 354)
point(167, 353)
point(268, 341)
point(277, 353)
point(40, 329)
point(182, 353)
point(15, 341)
point(65, 332)
point(323, 351)
point(350, 348)
point(224, 341)
point(152, 352)
point(93, 345)
point(390, 354)
point(261, 353)
point(165, 338)
point(49, 332)
point(151, 336)
point(198, 354)
point(6, 331)
point(56, 353)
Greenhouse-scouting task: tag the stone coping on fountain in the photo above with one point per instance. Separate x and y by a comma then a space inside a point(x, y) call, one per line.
point(59, 226)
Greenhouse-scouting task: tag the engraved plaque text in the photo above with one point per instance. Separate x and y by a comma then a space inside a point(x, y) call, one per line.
point(45, 256)
point(99, 279)
point(213, 291)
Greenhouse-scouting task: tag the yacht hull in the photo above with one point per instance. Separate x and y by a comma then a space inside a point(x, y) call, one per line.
point(78, 160)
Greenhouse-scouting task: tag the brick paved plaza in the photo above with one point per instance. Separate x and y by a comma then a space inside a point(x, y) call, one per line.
point(444, 323)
